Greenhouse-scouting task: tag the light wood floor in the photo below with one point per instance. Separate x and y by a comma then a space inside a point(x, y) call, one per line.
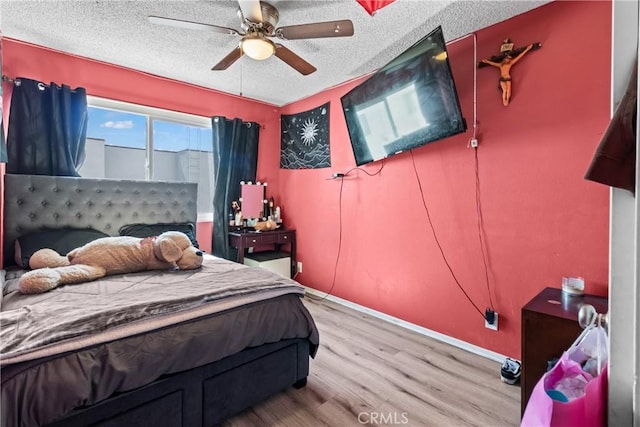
point(370, 372)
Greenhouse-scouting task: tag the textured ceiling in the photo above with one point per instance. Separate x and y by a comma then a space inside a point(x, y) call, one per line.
point(118, 32)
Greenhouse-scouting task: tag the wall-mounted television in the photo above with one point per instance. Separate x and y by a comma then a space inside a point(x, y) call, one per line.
point(409, 102)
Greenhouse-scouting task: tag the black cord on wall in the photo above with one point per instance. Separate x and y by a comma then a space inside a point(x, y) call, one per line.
point(481, 232)
point(480, 220)
point(480, 229)
point(342, 176)
point(435, 237)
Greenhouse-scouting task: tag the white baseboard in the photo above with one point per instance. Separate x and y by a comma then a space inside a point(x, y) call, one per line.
point(412, 327)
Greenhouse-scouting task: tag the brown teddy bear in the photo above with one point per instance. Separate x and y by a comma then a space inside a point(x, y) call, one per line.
point(109, 255)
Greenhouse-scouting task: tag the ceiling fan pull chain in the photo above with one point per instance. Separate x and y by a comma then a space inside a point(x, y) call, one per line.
point(241, 67)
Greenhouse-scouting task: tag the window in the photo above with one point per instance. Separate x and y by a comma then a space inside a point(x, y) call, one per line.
point(128, 141)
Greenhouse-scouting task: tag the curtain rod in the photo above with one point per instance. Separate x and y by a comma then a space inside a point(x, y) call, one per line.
point(16, 81)
point(247, 124)
point(5, 78)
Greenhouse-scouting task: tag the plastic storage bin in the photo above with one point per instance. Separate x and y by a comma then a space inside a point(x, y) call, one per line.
point(278, 262)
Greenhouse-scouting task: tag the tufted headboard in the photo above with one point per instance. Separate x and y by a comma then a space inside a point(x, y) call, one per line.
point(35, 202)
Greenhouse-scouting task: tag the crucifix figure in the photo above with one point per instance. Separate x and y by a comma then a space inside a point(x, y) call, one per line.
point(507, 59)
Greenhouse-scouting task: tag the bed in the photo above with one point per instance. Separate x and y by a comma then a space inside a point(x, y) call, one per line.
point(162, 348)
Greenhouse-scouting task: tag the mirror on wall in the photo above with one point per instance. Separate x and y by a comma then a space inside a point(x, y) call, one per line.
point(252, 199)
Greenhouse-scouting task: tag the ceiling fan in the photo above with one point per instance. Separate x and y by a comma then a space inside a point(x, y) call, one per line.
point(258, 26)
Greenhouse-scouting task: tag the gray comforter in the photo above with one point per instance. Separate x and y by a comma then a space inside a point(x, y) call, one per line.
point(36, 325)
point(121, 332)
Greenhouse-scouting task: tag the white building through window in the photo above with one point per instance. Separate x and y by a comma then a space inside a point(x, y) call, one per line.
point(129, 141)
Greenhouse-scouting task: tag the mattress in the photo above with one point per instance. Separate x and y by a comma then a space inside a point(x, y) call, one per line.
point(83, 343)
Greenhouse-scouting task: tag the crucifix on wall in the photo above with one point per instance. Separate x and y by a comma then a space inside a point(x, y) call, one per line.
point(504, 61)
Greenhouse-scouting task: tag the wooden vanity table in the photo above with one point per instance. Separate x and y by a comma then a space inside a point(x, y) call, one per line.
point(244, 239)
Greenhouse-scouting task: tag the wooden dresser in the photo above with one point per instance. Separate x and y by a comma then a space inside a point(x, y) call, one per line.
point(549, 327)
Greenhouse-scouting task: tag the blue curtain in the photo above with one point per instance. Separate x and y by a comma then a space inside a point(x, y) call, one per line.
point(47, 129)
point(3, 145)
point(235, 159)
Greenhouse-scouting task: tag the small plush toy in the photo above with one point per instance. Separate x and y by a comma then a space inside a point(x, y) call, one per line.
point(109, 255)
point(266, 225)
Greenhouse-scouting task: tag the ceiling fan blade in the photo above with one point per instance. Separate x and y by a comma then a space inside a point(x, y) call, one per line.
point(293, 60)
point(251, 9)
point(316, 30)
point(191, 25)
point(228, 60)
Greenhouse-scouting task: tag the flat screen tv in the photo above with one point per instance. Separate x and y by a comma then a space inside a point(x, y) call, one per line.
point(409, 102)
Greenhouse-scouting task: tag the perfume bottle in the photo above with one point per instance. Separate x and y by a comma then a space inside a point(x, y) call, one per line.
point(276, 215)
point(266, 212)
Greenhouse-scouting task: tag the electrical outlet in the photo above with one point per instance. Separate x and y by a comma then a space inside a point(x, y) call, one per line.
point(299, 266)
point(494, 325)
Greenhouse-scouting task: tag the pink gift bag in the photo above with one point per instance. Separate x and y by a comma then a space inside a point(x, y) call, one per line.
point(587, 410)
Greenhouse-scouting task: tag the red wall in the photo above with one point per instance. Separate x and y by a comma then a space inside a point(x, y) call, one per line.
point(108, 81)
point(542, 219)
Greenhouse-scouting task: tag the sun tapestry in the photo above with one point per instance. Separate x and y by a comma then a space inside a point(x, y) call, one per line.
point(305, 139)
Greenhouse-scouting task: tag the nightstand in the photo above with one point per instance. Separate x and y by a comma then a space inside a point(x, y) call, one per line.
point(549, 327)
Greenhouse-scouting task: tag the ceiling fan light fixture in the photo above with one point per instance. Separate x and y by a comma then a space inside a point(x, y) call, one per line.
point(257, 47)
point(440, 56)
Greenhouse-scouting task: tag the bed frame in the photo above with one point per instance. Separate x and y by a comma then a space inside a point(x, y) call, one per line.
point(205, 395)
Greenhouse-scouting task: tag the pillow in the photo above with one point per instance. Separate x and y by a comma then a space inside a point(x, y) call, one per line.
point(150, 230)
point(61, 240)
